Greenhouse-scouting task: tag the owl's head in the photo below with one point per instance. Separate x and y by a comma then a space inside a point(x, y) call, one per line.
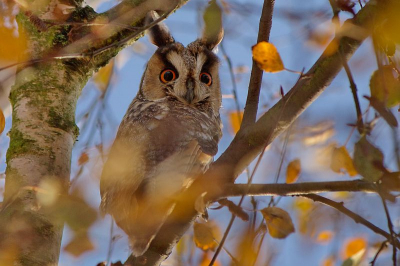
point(186, 74)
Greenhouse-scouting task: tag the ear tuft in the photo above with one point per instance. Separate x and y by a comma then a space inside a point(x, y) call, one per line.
point(159, 34)
point(213, 31)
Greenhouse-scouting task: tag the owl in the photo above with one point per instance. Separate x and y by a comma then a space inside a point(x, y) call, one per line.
point(167, 137)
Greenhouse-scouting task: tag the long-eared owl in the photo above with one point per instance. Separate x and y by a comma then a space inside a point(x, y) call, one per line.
point(167, 137)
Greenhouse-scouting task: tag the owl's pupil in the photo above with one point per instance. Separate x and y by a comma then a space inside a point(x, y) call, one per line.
point(205, 78)
point(168, 76)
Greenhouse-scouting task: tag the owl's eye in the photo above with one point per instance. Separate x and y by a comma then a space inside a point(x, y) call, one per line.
point(206, 78)
point(167, 76)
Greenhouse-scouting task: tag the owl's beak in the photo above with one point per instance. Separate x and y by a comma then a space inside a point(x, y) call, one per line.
point(189, 96)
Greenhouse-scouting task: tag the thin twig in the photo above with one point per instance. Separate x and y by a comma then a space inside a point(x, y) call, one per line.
point(283, 153)
point(360, 123)
point(110, 244)
point(383, 245)
point(357, 218)
point(236, 190)
point(393, 237)
point(250, 111)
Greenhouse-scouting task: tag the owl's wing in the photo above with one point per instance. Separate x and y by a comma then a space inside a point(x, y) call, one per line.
point(169, 177)
point(123, 172)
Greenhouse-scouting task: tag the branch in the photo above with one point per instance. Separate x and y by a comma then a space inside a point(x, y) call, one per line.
point(236, 190)
point(250, 110)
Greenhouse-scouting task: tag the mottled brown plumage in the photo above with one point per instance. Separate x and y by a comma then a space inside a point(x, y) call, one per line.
point(168, 136)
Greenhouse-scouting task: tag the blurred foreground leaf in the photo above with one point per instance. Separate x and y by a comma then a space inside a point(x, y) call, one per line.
point(79, 244)
point(2, 121)
point(103, 76)
point(235, 120)
point(14, 44)
point(325, 236)
point(385, 87)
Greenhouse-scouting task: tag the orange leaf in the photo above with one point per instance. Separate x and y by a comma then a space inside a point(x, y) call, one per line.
point(267, 57)
point(278, 221)
point(2, 121)
point(14, 44)
point(235, 119)
point(324, 236)
point(206, 259)
point(329, 261)
point(293, 171)
point(354, 246)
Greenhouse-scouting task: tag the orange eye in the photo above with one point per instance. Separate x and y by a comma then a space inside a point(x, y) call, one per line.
point(206, 78)
point(167, 76)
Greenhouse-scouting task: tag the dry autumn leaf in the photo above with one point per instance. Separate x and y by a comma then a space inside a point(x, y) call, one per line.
point(278, 221)
point(354, 246)
point(235, 119)
point(204, 236)
point(2, 121)
point(293, 171)
point(385, 87)
point(368, 160)
point(341, 161)
point(103, 76)
point(267, 57)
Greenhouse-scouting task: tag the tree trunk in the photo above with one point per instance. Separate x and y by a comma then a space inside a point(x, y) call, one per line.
point(43, 130)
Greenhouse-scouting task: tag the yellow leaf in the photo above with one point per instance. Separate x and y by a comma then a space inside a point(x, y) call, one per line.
point(206, 259)
point(330, 261)
point(342, 160)
point(293, 171)
point(9, 254)
point(353, 246)
point(204, 236)
point(235, 119)
point(13, 46)
point(278, 221)
point(2, 121)
point(385, 87)
point(79, 244)
point(324, 236)
point(267, 57)
point(103, 76)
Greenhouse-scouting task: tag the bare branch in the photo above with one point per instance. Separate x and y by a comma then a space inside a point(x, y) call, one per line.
point(236, 190)
point(250, 112)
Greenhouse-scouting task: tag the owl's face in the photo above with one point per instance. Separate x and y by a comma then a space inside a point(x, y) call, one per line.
point(186, 74)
